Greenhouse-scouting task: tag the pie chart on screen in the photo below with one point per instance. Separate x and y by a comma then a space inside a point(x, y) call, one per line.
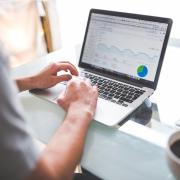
point(142, 71)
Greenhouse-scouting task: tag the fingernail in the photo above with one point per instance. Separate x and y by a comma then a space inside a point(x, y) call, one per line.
point(69, 76)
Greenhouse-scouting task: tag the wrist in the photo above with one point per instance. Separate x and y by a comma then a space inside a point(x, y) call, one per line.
point(25, 83)
point(80, 112)
point(32, 82)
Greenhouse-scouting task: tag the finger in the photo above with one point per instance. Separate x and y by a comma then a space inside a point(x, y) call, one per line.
point(71, 84)
point(68, 63)
point(65, 67)
point(95, 89)
point(61, 98)
point(85, 82)
point(61, 78)
point(88, 81)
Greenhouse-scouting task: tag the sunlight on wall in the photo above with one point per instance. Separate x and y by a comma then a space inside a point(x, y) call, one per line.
point(74, 14)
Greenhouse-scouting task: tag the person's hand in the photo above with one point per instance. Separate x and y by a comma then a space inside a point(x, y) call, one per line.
point(48, 76)
point(80, 96)
point(79, 99)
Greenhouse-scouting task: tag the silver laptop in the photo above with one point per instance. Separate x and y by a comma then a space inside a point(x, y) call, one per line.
point(122, 54)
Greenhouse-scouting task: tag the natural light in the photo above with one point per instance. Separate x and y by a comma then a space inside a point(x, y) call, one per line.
point(74, 14)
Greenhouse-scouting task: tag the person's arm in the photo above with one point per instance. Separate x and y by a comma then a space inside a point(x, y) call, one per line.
point(64, 151)
point(47, 77)
point(18, 153)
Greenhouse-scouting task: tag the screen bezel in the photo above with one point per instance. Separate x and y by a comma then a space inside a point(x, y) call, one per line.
point(142, 82)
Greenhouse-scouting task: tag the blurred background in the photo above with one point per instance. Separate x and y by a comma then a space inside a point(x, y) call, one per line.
point(33, 28)
point(29, 29)
point(73, 14)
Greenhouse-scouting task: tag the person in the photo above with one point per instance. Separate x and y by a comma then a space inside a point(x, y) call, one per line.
point(19, 156)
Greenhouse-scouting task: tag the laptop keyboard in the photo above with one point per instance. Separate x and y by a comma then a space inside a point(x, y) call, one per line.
point(114, 91)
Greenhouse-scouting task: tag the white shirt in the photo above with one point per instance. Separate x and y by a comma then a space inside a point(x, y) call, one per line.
point(18, 153)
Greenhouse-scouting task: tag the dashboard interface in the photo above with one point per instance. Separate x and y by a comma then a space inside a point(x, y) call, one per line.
point(127, 46)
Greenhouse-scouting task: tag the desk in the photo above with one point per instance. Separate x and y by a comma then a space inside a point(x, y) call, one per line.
point(109, 152)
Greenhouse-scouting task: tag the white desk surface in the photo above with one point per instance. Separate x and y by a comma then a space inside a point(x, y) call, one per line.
point(109, 152)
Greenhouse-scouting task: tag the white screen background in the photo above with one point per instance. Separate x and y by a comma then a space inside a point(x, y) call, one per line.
point(122, 45)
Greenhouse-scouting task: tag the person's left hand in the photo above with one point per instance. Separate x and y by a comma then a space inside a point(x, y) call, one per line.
point(48, 76)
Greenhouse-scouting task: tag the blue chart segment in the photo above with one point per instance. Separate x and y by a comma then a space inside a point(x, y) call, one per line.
point(142, 71)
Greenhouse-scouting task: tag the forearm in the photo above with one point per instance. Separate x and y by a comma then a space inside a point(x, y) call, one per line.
point(64, 151)
point(25, 83)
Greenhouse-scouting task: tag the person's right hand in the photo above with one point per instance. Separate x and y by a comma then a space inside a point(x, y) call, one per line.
point(80, 96)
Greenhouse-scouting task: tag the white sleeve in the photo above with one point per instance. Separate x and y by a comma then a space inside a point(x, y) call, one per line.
point(18, 153)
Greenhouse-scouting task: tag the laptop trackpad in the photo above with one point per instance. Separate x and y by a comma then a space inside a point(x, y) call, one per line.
point(51, 93)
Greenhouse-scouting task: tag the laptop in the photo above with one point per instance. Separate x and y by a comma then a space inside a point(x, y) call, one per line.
point(122, 53)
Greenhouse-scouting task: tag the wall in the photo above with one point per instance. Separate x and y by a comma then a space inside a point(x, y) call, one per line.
point(74, 14)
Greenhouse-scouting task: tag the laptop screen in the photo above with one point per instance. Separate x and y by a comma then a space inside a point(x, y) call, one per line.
point(123, 45)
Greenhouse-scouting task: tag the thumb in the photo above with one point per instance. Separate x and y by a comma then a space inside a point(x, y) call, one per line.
point(61, 99)
point(61, 78)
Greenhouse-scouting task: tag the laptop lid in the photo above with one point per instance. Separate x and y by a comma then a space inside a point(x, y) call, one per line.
point(125, 46)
